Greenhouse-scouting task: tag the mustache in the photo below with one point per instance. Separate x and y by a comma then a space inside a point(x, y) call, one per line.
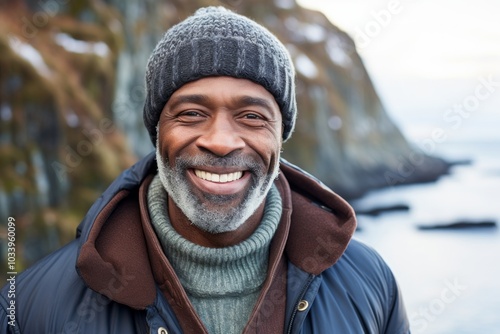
point(232, 160)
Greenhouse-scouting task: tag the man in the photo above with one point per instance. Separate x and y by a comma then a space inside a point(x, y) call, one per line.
point(214, 233)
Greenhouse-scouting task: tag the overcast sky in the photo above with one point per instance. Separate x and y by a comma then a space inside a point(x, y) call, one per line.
point(430, 38)
point(425, 56)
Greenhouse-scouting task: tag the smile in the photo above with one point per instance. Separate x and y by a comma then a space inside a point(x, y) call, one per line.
point(218, 178)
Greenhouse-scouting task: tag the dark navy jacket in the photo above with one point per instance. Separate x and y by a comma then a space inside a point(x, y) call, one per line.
point(114, 278)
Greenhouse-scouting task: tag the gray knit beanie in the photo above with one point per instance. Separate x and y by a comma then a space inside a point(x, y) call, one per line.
point(217, 42)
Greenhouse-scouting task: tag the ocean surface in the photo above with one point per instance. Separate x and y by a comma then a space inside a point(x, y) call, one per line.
point(450, 279)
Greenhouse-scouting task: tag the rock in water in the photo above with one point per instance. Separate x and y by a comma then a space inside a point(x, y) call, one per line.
point(458, 225)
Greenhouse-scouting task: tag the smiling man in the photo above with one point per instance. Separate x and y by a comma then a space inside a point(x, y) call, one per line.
point(218, 147)
point(213, 232)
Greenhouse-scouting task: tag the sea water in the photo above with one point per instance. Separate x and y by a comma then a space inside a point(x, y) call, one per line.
point(450, 279)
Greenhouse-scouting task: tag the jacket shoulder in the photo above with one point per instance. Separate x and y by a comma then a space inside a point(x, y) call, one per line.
point(365, 273)
point(52, 270)
point(43, 286)
point(367, 257)
point(365, 284)
point(50, 297)
point(362, 271)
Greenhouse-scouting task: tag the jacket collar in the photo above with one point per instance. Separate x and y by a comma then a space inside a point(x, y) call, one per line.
point(116, 235)
point(322, 222)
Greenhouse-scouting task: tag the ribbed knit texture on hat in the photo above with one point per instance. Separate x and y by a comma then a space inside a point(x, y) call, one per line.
point(217, 42)
point(223, 284)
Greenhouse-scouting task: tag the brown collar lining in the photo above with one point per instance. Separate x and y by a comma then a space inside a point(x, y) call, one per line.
point(111, 261)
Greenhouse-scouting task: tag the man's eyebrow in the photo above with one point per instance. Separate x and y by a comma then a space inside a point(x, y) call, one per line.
point(191, 98)
point(247, 100)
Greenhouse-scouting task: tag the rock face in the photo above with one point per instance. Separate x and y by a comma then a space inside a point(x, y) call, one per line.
point(59, 145)
point(71, 75)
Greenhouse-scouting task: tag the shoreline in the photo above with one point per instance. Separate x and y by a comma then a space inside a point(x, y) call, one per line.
point(429, 171)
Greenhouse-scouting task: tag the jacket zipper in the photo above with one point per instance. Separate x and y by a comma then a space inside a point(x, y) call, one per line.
point(295, 310)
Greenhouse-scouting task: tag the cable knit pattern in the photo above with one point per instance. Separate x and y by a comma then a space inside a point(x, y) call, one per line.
point(217, 42)
point(223, 284)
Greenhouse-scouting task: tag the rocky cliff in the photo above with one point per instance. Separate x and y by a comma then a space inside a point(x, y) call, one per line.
point(71, 76)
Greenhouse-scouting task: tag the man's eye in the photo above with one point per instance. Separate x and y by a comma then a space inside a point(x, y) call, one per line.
point(252, 116)
point(190, 116)
point(190, 113)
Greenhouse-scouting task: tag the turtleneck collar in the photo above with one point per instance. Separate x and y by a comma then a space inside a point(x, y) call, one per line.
point(203, 271)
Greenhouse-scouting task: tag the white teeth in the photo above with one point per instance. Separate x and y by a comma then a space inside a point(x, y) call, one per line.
point(219, 178)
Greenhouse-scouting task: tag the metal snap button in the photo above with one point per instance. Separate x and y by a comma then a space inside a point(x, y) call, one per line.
point(162, 330)
point(303, 305)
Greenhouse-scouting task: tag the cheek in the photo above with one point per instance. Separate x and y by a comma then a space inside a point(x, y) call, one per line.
point(276, 158)
point(166, 150)
point(277, 150)
point(171, 142)
point(272, 155)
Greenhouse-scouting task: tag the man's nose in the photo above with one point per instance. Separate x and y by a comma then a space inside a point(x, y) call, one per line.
point(221, 137)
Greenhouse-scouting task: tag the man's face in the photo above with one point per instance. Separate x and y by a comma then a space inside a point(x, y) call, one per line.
point(219, 141)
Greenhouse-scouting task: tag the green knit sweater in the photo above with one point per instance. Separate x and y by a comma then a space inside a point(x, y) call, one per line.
point(223, 284)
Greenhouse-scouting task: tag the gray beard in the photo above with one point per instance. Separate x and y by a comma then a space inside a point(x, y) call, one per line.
point(218, 217)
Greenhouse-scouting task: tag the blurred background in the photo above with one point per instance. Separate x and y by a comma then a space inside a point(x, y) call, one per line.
point(399, 110)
